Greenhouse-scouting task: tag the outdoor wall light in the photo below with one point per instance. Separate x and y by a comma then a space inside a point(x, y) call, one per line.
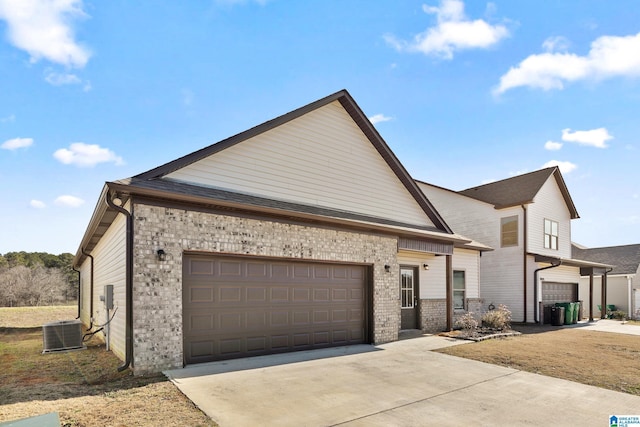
point(162, 255)
point(425, 266)
point(387, 268)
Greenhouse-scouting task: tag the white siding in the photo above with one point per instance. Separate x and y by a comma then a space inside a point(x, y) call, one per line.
point(85, 292)
point(466, 216)
point(469, 262)
point(432, 282)
point(110, 269)
point(501, 270)
point(617, 293)
point(320, 159)
point(549, 204)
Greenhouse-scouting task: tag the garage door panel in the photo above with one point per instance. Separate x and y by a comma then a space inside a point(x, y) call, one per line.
point(553, 292)
point(198, 267)
point(238, 307)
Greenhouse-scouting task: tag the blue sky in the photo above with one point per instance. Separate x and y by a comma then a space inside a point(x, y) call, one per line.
point(463, 93)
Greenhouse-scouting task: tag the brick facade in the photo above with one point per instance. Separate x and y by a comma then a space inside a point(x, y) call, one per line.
point(157, 286)
point(433, 313)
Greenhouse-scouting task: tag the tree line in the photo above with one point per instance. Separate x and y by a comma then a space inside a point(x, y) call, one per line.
point(37, 278)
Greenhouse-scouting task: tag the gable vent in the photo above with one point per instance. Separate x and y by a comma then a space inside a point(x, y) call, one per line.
point(438, 248)
point(62, 335)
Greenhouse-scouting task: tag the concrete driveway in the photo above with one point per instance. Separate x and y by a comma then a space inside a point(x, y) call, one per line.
point(397, 384)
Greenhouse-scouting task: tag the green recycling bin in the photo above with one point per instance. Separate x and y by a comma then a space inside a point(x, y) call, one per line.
point(576, 312)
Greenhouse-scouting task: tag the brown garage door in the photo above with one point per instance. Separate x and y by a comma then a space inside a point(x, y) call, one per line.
point(559, 292)
point(239, 307)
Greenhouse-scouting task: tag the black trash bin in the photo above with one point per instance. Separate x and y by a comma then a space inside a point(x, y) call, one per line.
point(546, 315)
point(557, 316)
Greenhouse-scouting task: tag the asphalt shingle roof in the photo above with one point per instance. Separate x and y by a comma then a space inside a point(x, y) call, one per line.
point(625, 258)
point(519, 190)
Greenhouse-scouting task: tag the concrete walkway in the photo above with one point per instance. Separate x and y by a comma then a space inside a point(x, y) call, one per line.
point(397, 384)
point(608, 325)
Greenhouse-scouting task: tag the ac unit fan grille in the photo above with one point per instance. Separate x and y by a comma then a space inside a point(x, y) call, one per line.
point(62, 335)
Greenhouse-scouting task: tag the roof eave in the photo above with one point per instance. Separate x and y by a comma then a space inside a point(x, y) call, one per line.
point(124, 188)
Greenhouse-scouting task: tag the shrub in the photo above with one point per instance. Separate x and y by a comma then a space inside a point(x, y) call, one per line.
point(618, 315)
point(467, 322)
point(500, 318)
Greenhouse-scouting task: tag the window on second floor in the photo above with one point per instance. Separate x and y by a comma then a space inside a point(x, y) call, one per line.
point(550, 234)
point(509, 231)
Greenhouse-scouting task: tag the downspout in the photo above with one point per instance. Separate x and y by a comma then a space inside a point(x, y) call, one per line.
point(603, 294)
point(629, 296)
point(128, 284)
point(91, 289)
point(535, 288)
point(524, 263)
point(79, 289)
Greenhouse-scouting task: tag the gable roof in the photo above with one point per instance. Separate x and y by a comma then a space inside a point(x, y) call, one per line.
point(155, 183)
point(520, 190)
point(625, 259)
point(356, 114)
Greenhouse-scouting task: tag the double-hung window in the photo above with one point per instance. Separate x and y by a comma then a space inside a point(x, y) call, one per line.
point(459, 290)
point(550, 234)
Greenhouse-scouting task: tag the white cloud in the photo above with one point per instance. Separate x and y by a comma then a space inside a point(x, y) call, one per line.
point(556, 44)
point(69, 201)
point(9, 119)
point(86, 155)
point(565, 167)
point(15, 143)
point(594, 138)
point(59, 79)
point(37, 204)
point(379, 118)
point(43, 29)
point(552, 145)
point(453, 32)
point(609, 56)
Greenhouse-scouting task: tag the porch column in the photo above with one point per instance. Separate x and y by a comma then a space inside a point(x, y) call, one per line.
point(603, 299)
point(591, 296)
point(449, 292)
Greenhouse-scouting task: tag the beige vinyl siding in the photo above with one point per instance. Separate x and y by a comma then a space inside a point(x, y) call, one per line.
point(617, 293)
point(466, 216)
point(549, 204)
point(469, 262)
point(110, 269)
point(432, 282)
point(85, 291)
point(501, 270)
point(320, 159)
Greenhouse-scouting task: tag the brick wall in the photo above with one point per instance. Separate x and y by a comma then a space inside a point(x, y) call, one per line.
point(433, 313)
point(157, 286)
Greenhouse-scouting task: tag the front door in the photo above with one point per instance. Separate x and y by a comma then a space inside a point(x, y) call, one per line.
point(409, 298)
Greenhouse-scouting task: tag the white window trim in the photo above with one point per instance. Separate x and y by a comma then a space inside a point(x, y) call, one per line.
point(464, 291)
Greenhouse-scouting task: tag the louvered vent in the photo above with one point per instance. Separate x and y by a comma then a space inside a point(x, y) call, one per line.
point(62, 335)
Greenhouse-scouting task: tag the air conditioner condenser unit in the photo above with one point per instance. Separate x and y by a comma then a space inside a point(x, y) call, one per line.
point(62, 335)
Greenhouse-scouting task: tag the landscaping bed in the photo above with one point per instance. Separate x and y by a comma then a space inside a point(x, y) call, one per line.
point(84, 386)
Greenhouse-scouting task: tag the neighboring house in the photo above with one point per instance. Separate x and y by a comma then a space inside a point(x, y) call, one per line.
point(527, 220)
point(623, 282)
point(303, 232)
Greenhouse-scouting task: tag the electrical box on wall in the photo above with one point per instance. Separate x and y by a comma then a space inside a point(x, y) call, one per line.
point(108, 297)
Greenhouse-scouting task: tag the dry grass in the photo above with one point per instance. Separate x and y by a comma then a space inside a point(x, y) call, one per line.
point(84, 387)
point(601, 359)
